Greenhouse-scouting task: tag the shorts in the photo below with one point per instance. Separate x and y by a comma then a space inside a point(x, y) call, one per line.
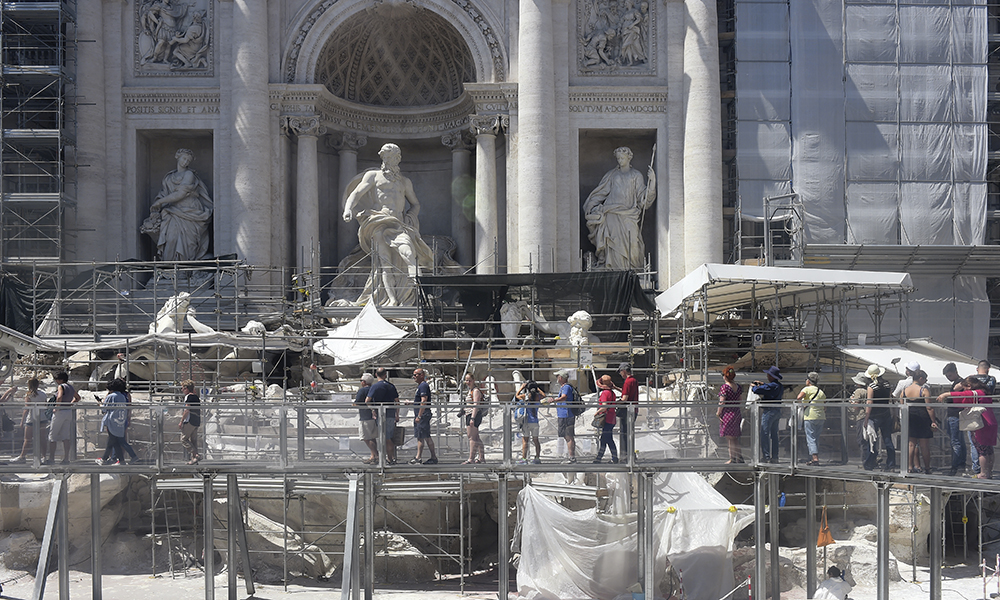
point(369, 429)
point(390, 429)
point(566, 427)
point(468, 419)
point(984, 450)
point(422, 429)
point(62, 426)
point(530, 430)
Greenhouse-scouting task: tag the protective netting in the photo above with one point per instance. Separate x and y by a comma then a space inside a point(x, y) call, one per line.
point(873, 112)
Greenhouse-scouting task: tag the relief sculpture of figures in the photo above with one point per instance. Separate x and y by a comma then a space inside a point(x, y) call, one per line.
point(389, 230)
point(614, 35)
point(180, 215)
point(614, 210)
point(173, 35)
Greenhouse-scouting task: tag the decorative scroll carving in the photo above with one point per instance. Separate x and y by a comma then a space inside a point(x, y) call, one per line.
point(349, 141)
point(301, 126)
point(174, 38)
point(488, 124)
point(458, 140)
point(616, 37)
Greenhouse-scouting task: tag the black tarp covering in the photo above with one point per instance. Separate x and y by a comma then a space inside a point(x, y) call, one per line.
point(15, 312)
point(472, 300)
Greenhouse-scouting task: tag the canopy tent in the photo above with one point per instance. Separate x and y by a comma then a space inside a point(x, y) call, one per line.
point(366, 336)
point(932, 358)
point(588, 554)
point(724, 287)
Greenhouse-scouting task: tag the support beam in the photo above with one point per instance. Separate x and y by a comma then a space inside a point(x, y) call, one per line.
point(95, 537)
point(348, 582)
point(209, 533)
point(640, 517)
point(370, 536)
point(62, 522)
point(811, 534)
point(648, 553)
point(882, 551)
point(774, 523)
point(45, 553)
point(760, 534)
point(936, 549)
point(503, 547)
point(233, 504)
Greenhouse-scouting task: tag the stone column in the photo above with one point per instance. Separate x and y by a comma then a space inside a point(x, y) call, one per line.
point(307, 130)
point(536, 184)
point(461, 187)
point(347, 149)
point(702, 138)
point(93, 215)
point(670, 208)
point(486, 128)
point(250, 134)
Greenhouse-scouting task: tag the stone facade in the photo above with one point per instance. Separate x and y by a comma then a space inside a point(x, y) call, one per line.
point(507, 114)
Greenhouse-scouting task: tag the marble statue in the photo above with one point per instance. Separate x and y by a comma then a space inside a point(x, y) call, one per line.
point(191, 47)
point(383, 202)
point(614, 37)
point(613, 213)
point(181, 214)
point(580, 323)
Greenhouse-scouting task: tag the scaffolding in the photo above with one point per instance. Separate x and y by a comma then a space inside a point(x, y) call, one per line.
point(37, 163)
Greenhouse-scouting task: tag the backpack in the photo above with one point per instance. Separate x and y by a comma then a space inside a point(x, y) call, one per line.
point(576, 404)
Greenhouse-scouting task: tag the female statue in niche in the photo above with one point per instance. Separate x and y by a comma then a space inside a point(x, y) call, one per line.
point(181, 214)
point(613, 213)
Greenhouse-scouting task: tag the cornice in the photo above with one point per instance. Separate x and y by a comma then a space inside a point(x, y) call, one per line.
point(493, 98)
point(173, 102)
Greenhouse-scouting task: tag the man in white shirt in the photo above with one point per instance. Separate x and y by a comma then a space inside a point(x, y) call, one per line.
point(911, 368)
point(834, 588)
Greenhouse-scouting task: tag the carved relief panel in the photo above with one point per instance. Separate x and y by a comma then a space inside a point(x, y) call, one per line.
point(174, 38)
point(616, 37)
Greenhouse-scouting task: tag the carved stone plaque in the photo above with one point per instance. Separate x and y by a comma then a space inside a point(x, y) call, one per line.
point(616, 37)
point(174, 38)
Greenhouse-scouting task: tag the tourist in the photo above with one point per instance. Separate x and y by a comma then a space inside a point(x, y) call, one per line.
point(771, 394)
point(629, 399)
point(921, 422)
point(473, 419)
point(34, 405)
point(955, 434)
point(530, 396)
point(190, 421)
point(61, 426)
point(970, 391)
point(730, 414)
point(422, 419)
point(911, 368)
point(833, 588)
point(814, 415)
point(115, 421)
point(878, 413)
point(989, 387)
point(564, 413)
point(606, 402)
point(369, 426)
point(385, 395)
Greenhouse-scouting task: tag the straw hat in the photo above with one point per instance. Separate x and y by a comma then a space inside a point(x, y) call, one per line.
point(861, 379)
point(874, 371)
point(604, 382)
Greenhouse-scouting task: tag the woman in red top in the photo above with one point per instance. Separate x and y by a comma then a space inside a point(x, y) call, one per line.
point(607, 408)
point(970, 391)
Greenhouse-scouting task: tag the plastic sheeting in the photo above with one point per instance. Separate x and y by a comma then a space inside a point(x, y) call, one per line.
point(569, 555)
point(366, 336)
point(880, 109)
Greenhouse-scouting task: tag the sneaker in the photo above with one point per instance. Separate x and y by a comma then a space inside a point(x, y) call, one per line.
point(431, 461)
point(100, 462)
point(614, 461)
point(597, 461)
point(536, 461)
point(521, 461)
point(20, 460)
point(415, 461)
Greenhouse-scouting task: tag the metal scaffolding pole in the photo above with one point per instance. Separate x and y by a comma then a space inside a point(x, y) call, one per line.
point(370, 536)
point(811, 535)
point(503, 549)
point(95, 538)
point(936, 549)
point(760, 534)
point(882, 551)
point(773, 522)
point(208, 523)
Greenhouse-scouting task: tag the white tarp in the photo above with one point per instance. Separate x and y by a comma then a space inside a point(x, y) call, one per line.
point(932, 359)
point(365, 336)
point(732, 286)
point(571, 555)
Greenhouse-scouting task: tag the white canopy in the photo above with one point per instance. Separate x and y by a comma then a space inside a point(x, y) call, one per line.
point(932, 358)
point(732, 286)
point(365, 336)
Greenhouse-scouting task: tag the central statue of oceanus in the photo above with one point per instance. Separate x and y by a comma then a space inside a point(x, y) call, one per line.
point(383, 202)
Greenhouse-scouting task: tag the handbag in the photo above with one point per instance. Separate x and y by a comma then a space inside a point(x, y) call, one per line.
point(598, 422)
point(971, 419)
point(825, 538)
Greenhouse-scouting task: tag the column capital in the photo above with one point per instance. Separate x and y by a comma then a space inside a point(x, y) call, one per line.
point(349, 141)
point(300, 126)
point(488, 124)
point(458, 140)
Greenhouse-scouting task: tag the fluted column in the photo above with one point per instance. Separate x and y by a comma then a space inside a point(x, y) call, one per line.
point(347, 150)
point(250, 133)
point(486, 128)
point(461, 188)
point(702, 138)
point(307, 130)
point(536, 185)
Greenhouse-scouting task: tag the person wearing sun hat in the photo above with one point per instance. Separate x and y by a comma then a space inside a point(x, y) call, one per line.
point(770, 395)
point(607, 410)
point(911, 368)
point(878, 413)
point(814, 414)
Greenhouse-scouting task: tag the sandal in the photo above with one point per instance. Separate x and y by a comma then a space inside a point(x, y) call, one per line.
point(469, 462)
point(812, 463)
point(369, 461)
point(193, 461)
